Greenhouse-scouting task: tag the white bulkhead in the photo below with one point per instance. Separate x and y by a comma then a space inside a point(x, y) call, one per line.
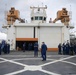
point(37, 31)
point(52, 34)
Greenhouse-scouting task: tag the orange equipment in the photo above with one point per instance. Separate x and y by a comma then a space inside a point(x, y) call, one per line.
point(63, 16)
point(12, 15)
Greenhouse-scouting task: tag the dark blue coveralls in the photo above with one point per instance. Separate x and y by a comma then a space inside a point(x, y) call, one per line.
point(36, 49)
point(30, 46)
point(59, 47)
point(8, 48)
point(0, 49)
point(24, 47)
point(71, 49)
point(75, 48)
point(3, 46)
point(64, 48)
point(43, 51)
point(67, 48)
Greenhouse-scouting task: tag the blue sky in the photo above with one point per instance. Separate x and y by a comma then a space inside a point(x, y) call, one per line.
point(24, 7)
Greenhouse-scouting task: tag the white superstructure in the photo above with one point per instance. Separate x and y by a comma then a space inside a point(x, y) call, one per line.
point(38, 30)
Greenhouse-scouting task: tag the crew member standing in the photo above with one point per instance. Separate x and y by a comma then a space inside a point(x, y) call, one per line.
point(43, 50)
point(36, 49)
point(24, 46)
point(67, 48)
point(59, 47)
point(75, 48)
point(64, 48)
point(0, 48)
point(8, 48)
point(71, 49)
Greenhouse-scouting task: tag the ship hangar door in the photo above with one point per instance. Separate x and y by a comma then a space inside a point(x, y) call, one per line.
point(28, 41)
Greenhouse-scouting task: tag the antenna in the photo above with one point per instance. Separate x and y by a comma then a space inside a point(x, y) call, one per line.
point(42, 4)
point(70, 14)
point(5, 13)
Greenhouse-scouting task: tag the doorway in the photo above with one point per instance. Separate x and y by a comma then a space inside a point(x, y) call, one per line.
point(29, 45)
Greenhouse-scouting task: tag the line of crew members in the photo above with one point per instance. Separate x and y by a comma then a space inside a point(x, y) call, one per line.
point(67, 48)
point(43, 49)
point(4, 47)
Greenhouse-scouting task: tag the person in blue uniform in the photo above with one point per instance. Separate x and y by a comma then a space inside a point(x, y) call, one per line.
point(8, 48)
point(75, 48)
point(24, 47)
point(59, 48)
point(64, 48)
point(3, 46)
point(43, 50)
point(30, 46)
point(67, 48)
point(71, 48)
point(35, 49)
point(0, 49)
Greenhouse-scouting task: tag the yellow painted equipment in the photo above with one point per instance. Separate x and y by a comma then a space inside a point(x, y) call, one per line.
point(63, 16)
point(13, 15)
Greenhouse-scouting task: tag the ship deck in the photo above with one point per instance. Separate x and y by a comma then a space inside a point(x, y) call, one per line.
point(24, 63)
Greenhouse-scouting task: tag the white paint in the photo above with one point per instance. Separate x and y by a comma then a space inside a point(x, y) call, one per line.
point(31, 59)
point(33, 68)
point(11, 37)
point(16, 72)
point(51, 36)
point(11, 61)
point(66, 34)
point(2, 61)
point(28, 59)
point(33, 55)
point(36, 67)
point(69, 63)
point(51, 73)
point(48, 32)
point(24, 32)
point(3, 36)
point(56, 61)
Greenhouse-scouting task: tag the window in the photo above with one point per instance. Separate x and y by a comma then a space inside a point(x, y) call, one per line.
point(40, 18)
point(44, 18)
point(36, 18)
point(32, 18)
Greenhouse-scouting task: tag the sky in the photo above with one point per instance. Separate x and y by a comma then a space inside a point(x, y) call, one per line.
point(3, 36)
point(24, 7)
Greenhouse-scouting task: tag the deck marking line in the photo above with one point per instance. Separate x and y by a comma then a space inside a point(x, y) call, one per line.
point(56, 61)
point(13, 73)
point(13, 62)
point(16, 72)
point(48, 72)
point(2, 61)
point(69, 62)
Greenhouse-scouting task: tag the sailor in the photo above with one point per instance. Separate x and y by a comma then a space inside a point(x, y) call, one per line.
point(8, 48)
point(5, 48)
point(43, 50)
point(64, 48)
point(59, 48)
point(0, 48)
point(24, 47)
point(71, 48)
point(30, 46)
point(75, 48)
point(67, 48)
point(36, 49)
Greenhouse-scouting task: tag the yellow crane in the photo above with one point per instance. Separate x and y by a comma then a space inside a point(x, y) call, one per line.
point(63, 16)
point(13, 15)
